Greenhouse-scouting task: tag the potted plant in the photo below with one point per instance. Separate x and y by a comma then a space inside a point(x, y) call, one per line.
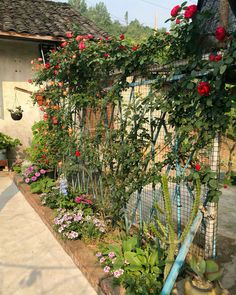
point(16, 113)
point(7, 142)
point(205, 278)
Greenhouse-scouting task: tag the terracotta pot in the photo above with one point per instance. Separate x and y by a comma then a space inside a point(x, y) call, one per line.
point(190, 289)
point(16, 116)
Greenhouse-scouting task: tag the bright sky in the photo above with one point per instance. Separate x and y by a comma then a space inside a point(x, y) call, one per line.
point(144, 10)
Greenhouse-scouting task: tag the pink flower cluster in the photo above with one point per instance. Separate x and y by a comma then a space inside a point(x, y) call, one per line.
point(110, 259)
point(83, 200)
point(67, 221)
point(31, 174)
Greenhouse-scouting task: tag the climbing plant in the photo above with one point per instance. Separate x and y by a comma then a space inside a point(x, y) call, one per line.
point(81, 95)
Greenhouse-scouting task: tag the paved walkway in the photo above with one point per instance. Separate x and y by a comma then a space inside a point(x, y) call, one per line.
point(31, 260)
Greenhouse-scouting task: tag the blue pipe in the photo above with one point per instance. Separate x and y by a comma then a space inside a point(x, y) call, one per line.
point(179, 261)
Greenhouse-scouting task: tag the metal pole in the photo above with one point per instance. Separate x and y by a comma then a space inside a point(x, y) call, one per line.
point(170, 280)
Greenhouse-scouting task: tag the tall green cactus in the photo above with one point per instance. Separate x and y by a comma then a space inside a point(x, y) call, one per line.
point(166, 233)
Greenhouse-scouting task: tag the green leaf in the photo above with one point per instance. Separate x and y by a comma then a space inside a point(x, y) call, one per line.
point(130, 244)
point(132, 258)
point(153, 258)
point(223, 69)
point(213, 183)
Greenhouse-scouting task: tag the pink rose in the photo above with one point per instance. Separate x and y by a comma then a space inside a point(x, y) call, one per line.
point(64, 44)
point(175, 10)
point(69, 35)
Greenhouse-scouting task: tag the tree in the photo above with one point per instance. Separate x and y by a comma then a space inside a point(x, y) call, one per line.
point(79, 5)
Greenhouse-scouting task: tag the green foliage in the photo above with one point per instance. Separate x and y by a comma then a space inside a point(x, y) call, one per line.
point(42, 185)
point(166, 233)
point(139, 268)
point(7, 142)
point(207, 270)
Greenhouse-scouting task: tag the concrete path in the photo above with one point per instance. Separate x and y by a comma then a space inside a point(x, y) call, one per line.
point(31, 260)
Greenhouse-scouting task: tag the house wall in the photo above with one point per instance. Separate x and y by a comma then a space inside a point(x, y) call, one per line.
point(15, 70)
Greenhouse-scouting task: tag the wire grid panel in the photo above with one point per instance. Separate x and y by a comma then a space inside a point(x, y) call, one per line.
point(141, 204)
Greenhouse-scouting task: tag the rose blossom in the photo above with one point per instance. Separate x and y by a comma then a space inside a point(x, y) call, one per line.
point(33, 178)
point(122, 37)
point(198, 167)
point(81, 46)
point(98, 254)
point(190, 11)
point(69, 35)
point(220, 33)
point(27, 180)
point(37, 174)
point(175, 10)
point(64, 44)
point(42, 171)
point(203, 88)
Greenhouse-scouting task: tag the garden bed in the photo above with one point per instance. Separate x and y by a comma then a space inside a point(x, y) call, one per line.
point(81, 254)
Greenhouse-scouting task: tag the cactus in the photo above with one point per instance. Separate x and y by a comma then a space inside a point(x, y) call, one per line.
point(166, 233)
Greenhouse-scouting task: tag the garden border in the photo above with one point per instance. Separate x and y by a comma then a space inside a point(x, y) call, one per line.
point(82, 256)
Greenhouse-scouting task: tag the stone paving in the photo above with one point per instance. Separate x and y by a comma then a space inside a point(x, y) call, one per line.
point(31, 260)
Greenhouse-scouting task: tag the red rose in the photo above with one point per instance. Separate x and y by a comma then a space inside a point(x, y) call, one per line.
point(203, 88)
point(106, 54)
point(47, 66)
point(212, 57)
point(69, 35)
point(89, 36)
point(81, 46)
point(218, 57)
point(63, 45)
point(225, 186)
point(122, 37)
point(220, 33)
point(77, 153)
point(177, 21)
point(134, 48)
point(190, 11)
point(174, 11)
point(79, 38)
point(198, 167)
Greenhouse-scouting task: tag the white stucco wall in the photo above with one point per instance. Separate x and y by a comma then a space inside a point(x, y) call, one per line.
point(15, 70)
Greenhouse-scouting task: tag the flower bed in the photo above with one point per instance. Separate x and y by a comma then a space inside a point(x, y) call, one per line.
point(81, 253)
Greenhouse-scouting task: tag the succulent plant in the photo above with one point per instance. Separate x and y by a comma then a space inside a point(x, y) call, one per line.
point(206, 270)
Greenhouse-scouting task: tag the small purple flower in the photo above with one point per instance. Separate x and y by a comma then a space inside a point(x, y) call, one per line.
point(106, 269)
point(102, 259)
point(73, 235)
point(99, 254)
point(37, 174)
point(42, 171)
point(111, 255)
point(33, 178)
point(118, 273)
point(27, 180)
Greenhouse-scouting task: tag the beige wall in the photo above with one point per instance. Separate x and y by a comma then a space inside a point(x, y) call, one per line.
point(15, 70)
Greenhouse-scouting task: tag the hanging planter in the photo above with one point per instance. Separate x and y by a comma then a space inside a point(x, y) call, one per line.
point(16, 113)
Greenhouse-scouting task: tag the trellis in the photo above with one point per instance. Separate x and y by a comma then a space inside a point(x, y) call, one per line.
point(141, 205)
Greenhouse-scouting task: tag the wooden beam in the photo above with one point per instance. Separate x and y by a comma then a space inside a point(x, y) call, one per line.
point(23, 90)
point(31, 37)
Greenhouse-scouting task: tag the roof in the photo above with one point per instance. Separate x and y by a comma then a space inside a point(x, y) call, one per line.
point(214, 6)
point(41, 18)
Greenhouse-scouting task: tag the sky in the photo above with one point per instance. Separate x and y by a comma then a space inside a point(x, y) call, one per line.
point(144, 10)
